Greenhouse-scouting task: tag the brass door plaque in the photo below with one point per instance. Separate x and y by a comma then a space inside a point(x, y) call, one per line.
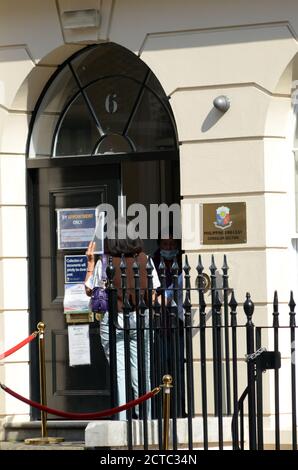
point(224, 223)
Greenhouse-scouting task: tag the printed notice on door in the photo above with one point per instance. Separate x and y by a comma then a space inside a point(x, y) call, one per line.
point(79, 345)
point(75, 228)
point(75, 268)
point(224, 223)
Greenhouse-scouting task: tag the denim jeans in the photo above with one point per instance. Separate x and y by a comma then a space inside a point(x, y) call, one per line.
point(121, 376)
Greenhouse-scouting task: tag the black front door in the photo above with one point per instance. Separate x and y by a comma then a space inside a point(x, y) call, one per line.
point(81, 388)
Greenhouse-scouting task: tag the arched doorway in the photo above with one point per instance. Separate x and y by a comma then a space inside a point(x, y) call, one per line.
point(102, 128)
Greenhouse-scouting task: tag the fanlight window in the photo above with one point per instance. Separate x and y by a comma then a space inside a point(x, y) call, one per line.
point(104, 100)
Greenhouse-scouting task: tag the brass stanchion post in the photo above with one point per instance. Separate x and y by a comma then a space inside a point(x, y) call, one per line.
point(44, 439)
point(167, 385)
point(42, 378)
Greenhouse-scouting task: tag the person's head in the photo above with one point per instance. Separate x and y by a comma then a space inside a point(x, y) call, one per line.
point(168, 245)
point(122, 239)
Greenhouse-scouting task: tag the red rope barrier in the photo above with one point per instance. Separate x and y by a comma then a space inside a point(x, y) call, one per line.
point(87, 416)
point(19, 346)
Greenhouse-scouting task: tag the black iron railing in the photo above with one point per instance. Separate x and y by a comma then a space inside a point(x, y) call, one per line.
point(165, 345)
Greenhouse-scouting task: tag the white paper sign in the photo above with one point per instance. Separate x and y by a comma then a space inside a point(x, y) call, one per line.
point(79, 345)
point(75, 299)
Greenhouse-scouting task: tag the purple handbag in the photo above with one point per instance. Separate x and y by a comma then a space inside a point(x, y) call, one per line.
point(99, 296)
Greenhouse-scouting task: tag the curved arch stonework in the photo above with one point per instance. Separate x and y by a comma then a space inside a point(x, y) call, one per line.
point(83, 96)
point(244, 52)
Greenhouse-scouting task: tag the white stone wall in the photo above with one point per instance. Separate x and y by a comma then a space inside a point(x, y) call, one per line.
point(29, 31)
point(241, 156)
point(31, 47)
point(198, 50)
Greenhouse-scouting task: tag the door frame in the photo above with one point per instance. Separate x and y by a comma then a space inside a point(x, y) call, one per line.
point(34, 284)
point(34, 288)
point(61, 162)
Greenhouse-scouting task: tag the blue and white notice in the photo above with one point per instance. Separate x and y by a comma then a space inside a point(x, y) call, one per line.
point(75, 228)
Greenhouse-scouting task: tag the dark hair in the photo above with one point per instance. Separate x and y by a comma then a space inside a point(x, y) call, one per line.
point(167, 233)
point(119, 242)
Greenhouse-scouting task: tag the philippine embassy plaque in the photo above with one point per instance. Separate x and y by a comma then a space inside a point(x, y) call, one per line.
point(224, 223)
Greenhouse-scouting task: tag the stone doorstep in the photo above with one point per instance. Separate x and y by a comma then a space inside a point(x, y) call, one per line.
point(107, 433)
point(61, 446)
point(72, 446)
point(72, 431)
point(114, 433)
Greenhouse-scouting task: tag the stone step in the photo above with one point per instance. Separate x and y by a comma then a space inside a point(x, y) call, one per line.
point(113, 434)
point(71, 431)
point(60, 446)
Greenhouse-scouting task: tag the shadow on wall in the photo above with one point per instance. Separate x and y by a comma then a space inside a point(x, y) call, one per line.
point(211, 119)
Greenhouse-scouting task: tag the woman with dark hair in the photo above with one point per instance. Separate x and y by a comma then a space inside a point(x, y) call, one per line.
point(121, 240)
